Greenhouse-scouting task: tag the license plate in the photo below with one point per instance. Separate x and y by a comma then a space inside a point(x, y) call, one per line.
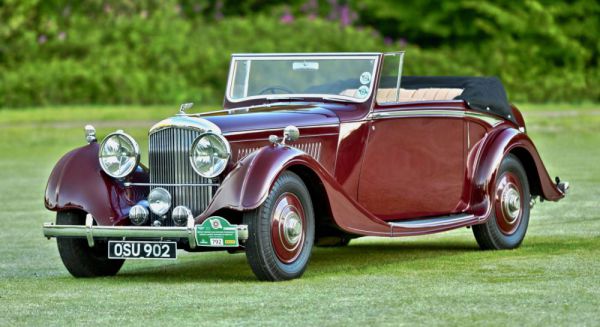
point(142, 250)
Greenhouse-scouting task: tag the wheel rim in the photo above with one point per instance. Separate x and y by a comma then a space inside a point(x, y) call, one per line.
point(288, 227)
point(509, 203)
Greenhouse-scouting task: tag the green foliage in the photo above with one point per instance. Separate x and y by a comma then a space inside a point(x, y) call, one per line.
point(146, 55)
point(147, 52)
point(542, 50)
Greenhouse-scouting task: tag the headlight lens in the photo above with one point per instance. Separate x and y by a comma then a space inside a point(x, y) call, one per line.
point(159, 201)
point(119, 155)
point(209, 155)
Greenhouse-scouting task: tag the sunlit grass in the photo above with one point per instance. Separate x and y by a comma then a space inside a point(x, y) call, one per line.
point(441, 279)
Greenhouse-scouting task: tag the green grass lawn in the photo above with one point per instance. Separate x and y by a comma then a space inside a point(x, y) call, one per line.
point(441, 279)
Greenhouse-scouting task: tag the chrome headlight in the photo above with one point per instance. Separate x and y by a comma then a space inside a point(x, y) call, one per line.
point(119, 154)
point(209, 154)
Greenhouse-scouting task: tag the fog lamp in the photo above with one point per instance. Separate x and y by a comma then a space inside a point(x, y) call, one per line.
point(180, 215)
point(159, 201)
point(138, 215)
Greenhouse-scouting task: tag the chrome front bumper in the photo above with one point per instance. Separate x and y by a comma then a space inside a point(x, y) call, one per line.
point(90, 231)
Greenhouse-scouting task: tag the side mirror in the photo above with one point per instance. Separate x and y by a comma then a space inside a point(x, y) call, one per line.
point(90, 133)
point(291, 134)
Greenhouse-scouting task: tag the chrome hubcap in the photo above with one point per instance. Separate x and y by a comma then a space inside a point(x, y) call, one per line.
point(292, 228)
point(287, 227)
point(511, 203)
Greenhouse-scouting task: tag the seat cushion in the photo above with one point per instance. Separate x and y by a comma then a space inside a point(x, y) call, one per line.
point(411, 95)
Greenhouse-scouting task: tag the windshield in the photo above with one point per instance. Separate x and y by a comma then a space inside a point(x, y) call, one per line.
point(346, 77)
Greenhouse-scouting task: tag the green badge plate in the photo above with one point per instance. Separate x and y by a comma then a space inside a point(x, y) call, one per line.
point(217, 232)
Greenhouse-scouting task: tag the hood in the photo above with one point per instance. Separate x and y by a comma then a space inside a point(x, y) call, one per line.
point(274, 118)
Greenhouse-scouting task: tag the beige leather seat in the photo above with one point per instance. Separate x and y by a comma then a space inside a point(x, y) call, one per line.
point(412, 95)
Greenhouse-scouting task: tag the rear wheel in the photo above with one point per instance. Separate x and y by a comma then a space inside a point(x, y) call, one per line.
point(80, 259)
point(507, 224)
point(281, 231)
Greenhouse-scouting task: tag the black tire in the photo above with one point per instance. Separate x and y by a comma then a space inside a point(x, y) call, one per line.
point(490, 235)
point(260, 250)
point(80, 259)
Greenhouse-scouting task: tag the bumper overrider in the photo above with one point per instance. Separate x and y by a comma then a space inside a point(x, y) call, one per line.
point(195, 234)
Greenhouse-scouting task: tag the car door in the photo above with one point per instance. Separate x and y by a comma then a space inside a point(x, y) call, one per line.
point(414, 162)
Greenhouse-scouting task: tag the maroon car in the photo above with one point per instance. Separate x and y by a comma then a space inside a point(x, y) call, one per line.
point(310, 149)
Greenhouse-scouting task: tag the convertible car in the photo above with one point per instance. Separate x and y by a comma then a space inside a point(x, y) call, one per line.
point(309, 149)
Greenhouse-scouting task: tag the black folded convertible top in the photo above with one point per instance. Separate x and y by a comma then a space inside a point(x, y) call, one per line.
point(484, 94)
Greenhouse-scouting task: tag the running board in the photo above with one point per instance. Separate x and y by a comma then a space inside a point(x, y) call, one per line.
point(442, 221)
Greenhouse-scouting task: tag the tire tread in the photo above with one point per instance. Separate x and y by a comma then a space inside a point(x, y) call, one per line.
point(79, 259)
point(488, 234)
point(262, 259)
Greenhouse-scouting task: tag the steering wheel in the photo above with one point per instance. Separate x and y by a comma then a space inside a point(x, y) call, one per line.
point(272, 89)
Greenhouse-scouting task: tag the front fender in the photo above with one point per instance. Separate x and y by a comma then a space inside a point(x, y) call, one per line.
point(487, 159)
point(78, 182)
point(247, 186)
point(248, 183)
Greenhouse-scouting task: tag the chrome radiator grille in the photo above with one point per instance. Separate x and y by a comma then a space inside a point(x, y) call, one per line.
point(169, 165)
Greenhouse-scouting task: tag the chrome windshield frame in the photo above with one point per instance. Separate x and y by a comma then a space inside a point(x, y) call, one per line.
point(303, 56)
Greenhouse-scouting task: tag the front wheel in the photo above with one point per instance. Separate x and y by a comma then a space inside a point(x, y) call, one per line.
point(80, 259)
point(507, 224)
point(281, 231)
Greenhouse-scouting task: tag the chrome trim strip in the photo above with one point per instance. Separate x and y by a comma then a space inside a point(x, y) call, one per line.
point(81, 231)
point(434, 222)
point(276, 129)
point(468, 136)
point(325, 54)
point(302, 137)
point(301, 96)
point(302, 56)
point(410, 113)
point(242, 110)
point(491, 120)
point(127, 184)
point(417, 113)
point(186, 122)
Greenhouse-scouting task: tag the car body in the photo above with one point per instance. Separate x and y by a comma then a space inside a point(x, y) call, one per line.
point(308, 149)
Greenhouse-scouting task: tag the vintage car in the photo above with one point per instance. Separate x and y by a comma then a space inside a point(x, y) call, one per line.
point(309, 149)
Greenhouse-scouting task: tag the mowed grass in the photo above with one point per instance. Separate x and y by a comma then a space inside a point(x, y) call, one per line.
point(441, 279)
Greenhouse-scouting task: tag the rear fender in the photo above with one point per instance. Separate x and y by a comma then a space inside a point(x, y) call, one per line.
point(247, 186)
point(488, 159)
point(77, 182)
